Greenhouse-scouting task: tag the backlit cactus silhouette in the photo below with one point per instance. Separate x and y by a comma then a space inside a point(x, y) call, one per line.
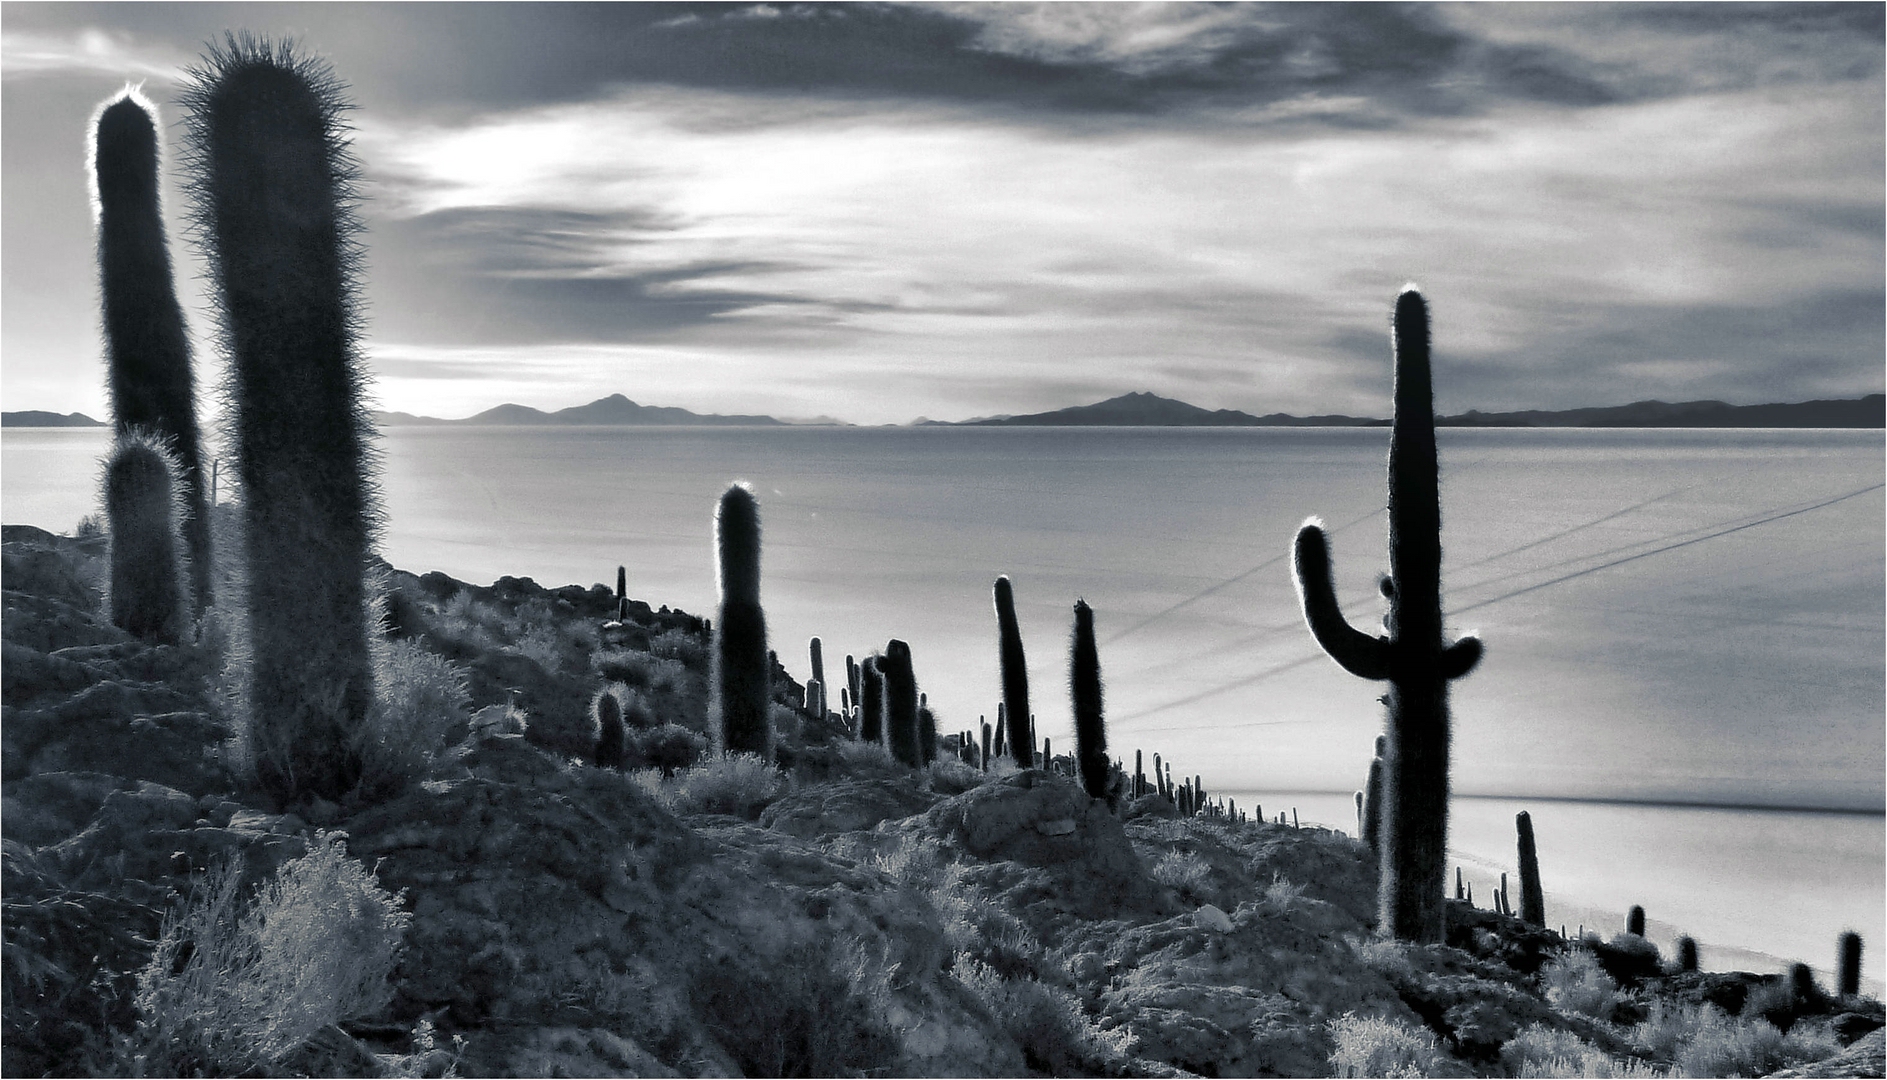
point(274, 203)
point(818, 707)
point(1532, 901)
point(1848, 964)
point(145, 591)
point(901, 704)
point(1635, 921)
point(1686, 953)
point(147, 350)
point(871, 711)
point(738, 699)
point(1084, 684)
point(1412, 658)
point(1015, 678)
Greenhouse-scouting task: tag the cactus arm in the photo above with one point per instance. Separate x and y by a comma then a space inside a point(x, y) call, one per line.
point(1459, 659)
point(1358, 653)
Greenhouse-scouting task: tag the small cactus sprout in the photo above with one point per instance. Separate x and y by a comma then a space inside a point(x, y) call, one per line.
point(1015, 675)
point(1848, 964)
point(737, 702)
point(146, 587)
point(606, 721)
point(901, 704)
point(146, 346)
point(1686, 953)
point(1084, 684)
point(1413, 657)
point(1635, 921)
point(274, 205)
point(1532, 901)
point(871, 713)
point(818, 676)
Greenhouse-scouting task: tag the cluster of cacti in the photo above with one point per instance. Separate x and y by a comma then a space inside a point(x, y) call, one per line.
point(742, 672)
point(145, 590)
point(1412, 658)
point(274, 205)
point(147, 349)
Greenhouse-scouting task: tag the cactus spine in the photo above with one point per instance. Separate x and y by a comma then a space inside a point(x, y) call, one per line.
point(1848, 964)
point(146, 346)
point(1532, 901)
point(1015, 676)
point(274, 202)
point(901, 704)
point(146, 589)
point(1417, 665)
point(1084, 684)
point(871, 712)
point(738, 702)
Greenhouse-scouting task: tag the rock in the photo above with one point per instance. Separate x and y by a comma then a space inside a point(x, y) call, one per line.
point(572, 1051)
point(1211, 918)
point(27, 675)
point(844, 806)
point(1867, 1057)
point(34, 567)
point(47, 624)
point(51, 807)
point(175, 749)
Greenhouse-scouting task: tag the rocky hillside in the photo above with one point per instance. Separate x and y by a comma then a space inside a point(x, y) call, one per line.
point(842, 915)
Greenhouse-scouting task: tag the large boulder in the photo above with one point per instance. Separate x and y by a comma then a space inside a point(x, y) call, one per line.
point(845, 806)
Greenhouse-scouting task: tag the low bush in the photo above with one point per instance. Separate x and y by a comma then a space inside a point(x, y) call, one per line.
point(420, 713)
point(669, 748)
point(818, 1011)
point(738, 784)
point(1185, 872)
point(1054, 1033)
point(233, 987)
point(1574, 982)
point(688, 648)
point(1377, 1047)
point(1542, 1051)
point(640, 670)
point(1703, 1040)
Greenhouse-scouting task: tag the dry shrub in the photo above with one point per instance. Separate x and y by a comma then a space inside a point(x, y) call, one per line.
point(1542, 1051)
point(1373, 1046)
point(737, 784)
point(1576, 983)
point(641, 670)
point(690, 649)
point(1054, 1033)
point(1185, 872)
point(419, 714)
point(233, 988)
point(817, 1011)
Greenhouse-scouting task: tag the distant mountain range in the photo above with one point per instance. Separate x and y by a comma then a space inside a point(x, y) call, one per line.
point(1151, 410)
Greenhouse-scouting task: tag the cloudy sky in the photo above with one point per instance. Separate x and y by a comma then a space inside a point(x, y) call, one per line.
point(880, 212)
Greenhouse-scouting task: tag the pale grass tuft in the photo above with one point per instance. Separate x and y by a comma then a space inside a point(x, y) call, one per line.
point(1376, 1047)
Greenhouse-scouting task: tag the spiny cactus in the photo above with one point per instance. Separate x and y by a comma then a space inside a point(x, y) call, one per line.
point(274, 203)
point(622, 594)
point(1372, 804)
point(871, 712)
point(145, 592)
point(901, 703)
point(851, 678)
point(1532, 901)
point(1848, 964)
point(1084, 684)
point(987, 732)
point(1417, 665)
point(606, 724)
point(147, 349)
point(737, 704)
point(1015, 675)
point(926, 734)
point(818, 676)
point(1635, 921)
point(1686, 953)
point(1002, 735)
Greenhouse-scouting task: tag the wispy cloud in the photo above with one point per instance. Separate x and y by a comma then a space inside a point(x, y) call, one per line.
point(91, 50)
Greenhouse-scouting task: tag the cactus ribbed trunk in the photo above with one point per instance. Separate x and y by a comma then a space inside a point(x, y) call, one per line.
point(1532, 901)
point(147, 349)
point(146, 588)
point(1412, 657)
point(1084, 684)
point(901, 704)
point(1015, 675)
point(274, 204)
point(871, 710)
point(741, 676)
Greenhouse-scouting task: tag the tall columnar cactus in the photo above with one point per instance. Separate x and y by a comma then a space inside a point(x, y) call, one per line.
point(871, 712)
point(1015, 675)
point(987, 732)
point(1002, 734)
point(738, 701)
point(851, 678)
point(1084, 685)
point(274, 203)
point(146, 347)
point(1635, 921)
point(1532, 901)
point(146, 587)
point(1848, 964)
point(819, 676)
point(926, 734)
point(622, 594)
point(1413, 658)
point(1372, 800)
point(901, 704)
